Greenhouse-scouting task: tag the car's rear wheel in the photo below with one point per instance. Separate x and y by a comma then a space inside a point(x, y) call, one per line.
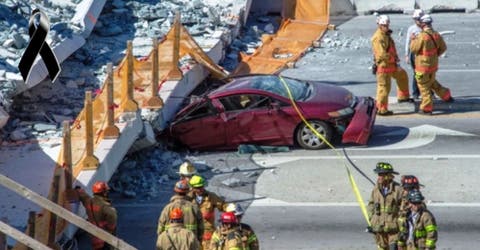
point(309, 140)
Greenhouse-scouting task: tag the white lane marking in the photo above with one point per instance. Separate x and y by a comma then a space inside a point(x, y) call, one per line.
point(274, 160)
point(276, 203)
point(459, 70)
point(414, 137)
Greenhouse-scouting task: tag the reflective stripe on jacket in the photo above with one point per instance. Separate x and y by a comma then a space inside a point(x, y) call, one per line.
point(229, 239)
point(192, 218)
point(177, 238)
point(383, 210)
point(384, 52)
point(425, 230)
point(427, 47)
point(101, 213)
point(207, 208)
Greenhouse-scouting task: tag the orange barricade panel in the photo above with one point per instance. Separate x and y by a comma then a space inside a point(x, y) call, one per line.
point(142, 91)
point(306, 21)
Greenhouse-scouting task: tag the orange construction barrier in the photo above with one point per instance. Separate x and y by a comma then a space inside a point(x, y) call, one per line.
point(305, 21)
point(128, 92)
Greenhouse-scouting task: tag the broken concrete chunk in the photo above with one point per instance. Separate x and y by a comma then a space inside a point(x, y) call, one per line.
point(232, 182)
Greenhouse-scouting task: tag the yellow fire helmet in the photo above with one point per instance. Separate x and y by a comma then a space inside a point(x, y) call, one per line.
point(197, 181)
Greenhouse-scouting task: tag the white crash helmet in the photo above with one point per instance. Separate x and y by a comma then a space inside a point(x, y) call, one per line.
point(187, 169)
point(235, 208)
point(383, 20)
point(427, 19)
point(417, 13)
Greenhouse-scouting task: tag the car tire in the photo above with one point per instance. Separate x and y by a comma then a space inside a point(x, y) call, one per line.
point(308, 140)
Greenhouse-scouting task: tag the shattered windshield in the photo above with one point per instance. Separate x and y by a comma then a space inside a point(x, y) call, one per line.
point(274, 84)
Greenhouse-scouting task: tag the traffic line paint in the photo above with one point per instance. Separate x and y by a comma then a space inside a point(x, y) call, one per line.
point(281, 159)
point(459, 70)
point(277, 203)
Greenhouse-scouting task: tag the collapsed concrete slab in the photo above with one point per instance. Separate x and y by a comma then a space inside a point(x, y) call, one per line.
point(86, 15)
point(341, 7)
point(3, 117)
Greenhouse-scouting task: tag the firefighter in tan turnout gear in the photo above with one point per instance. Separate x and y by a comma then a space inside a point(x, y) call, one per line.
point(176, 237)
point(427, 47)
point(249, 238)
point(228, 235)
point(100, 211)
point(208, 202)
point(192, 218)
point(409, 183)
point(386, 61)
point(421, 224)
point(383, 207)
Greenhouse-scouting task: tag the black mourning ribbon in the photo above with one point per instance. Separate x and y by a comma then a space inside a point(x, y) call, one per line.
point(37, 45)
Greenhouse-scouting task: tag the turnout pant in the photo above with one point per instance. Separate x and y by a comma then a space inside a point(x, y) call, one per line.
point(384, 82)
point(426, 84)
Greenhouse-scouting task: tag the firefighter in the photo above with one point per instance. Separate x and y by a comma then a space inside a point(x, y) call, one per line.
point(227, 236)
point(409, 182)
point(412, 31)
point(100, 211)
point(249, 238)
point(383, 207)
point(207, 201)
point(427, 47)
point(422, 227)
point(176, 236)
point(186, 171)
point(192, 218)
point(386, 59)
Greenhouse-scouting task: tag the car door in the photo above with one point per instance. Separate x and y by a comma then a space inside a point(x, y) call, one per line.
point(202, 127)
point(251, 118)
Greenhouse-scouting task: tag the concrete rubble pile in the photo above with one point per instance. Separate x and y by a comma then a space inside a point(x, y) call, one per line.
point(48, 104)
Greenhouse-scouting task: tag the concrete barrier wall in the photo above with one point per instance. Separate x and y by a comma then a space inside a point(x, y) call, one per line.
point(368, 6)
point(429, 5)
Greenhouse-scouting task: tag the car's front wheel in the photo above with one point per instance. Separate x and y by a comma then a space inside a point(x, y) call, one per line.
point(309, 140)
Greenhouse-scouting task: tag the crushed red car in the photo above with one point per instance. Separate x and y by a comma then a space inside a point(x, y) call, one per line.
point(257, 109)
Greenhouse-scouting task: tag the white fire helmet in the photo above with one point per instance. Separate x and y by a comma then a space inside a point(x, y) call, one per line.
point(417, 13)
point(235, 208)
point(187, 169)
point(383, 20)
point(426, 19)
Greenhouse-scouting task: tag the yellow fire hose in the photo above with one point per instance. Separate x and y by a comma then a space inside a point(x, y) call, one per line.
point(350, 176)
